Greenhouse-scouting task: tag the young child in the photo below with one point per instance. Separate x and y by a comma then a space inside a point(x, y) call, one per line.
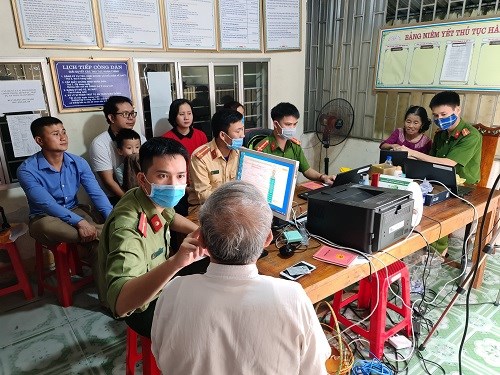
point(128, 143)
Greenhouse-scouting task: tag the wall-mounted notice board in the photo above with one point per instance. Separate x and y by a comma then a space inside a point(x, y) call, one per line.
point(282, 25)
point(131, 24)
point(55, 24)
point(191, 24)
point(85, 85)
point(460, 55)
point(239, 25)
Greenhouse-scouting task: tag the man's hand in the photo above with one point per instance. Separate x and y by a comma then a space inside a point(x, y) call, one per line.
point(190, 250)
point(86, 231)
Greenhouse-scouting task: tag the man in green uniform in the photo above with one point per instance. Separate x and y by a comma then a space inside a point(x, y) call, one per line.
point(282, 141)
point(457, 144)
point(134, 261)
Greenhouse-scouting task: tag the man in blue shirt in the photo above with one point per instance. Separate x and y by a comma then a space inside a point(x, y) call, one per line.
point(51, 179)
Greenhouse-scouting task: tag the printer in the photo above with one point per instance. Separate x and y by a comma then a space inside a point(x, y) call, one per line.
point(365, 218)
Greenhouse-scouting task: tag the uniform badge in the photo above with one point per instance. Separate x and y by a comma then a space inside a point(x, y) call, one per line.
point(214, 154)
point(262, 145)
point(295, 140)
point(158, 252)
point(142, 226)
point(456, 135)
point(156, 223)
point(274, 146)
point(202, 152)
point(465, 132)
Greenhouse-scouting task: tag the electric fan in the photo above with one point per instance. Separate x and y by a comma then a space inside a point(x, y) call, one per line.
point(334, 124)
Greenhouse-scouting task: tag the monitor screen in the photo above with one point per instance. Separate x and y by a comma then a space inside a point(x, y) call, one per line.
point(274, 176)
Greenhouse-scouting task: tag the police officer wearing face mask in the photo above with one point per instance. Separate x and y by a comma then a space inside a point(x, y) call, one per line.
point(216, 162)
point(133, 255)
point(283, 141)
point(457, 144)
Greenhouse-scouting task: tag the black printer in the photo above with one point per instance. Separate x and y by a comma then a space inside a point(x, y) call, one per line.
point(365, 218)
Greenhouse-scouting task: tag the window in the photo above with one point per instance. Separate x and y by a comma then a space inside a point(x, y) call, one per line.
point(208, 86)
point(255, 87)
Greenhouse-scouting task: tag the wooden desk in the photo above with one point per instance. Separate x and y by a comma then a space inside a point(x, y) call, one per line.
point(438, 221)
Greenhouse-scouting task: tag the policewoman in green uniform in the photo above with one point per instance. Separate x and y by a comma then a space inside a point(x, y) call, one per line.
point(133, 254)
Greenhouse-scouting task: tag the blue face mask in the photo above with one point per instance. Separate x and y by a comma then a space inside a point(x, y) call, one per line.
point(287, 133)
point(167, 196)
point(446, 122)
point(236, 143)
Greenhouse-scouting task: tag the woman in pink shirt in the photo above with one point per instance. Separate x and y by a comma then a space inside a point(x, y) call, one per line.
point(411, 135)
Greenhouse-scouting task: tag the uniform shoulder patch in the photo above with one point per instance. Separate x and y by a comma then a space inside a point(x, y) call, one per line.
point(202, 151)
point(262, 144)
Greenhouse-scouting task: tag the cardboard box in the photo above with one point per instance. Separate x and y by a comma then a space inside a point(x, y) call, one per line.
point(382, 169)
point(438, 194)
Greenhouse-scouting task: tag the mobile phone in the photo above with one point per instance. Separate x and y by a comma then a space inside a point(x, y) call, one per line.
point(297, 270)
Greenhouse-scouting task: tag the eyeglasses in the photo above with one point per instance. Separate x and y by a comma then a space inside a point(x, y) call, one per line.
point(127, 114)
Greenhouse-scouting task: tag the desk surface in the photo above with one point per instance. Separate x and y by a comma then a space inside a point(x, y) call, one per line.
point(438, 220)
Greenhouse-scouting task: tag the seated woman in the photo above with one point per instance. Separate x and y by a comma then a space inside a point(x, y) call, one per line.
point(180, 116)
point(411, 135)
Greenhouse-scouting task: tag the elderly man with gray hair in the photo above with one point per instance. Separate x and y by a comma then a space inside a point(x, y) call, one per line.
point(232, 320)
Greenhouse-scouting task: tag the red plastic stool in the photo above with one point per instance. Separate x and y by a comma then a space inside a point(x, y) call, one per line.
point(368, 291)
point(23, 283)
point(149, 366)
point(67, 262)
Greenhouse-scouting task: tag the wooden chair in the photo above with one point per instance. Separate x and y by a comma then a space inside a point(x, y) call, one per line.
point(489, 148)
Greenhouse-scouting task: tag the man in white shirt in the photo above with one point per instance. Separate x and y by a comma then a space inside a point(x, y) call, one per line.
point(104, 157)
point(232, 320)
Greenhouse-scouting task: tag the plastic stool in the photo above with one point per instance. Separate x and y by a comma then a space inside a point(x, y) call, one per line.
point(149, 366)
point(368, 291)
point(23, 283)
point(67, 262)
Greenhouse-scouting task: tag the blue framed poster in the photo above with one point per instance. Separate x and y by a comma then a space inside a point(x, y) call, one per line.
point(85, 85)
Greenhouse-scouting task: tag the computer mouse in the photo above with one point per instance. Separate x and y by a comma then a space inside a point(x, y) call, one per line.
point(287, 250)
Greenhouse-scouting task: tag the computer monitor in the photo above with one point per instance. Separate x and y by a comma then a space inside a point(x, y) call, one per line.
point(274, 176)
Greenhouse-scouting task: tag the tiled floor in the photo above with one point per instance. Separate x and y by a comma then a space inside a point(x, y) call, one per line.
point(482, 345)
point(40, 337)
